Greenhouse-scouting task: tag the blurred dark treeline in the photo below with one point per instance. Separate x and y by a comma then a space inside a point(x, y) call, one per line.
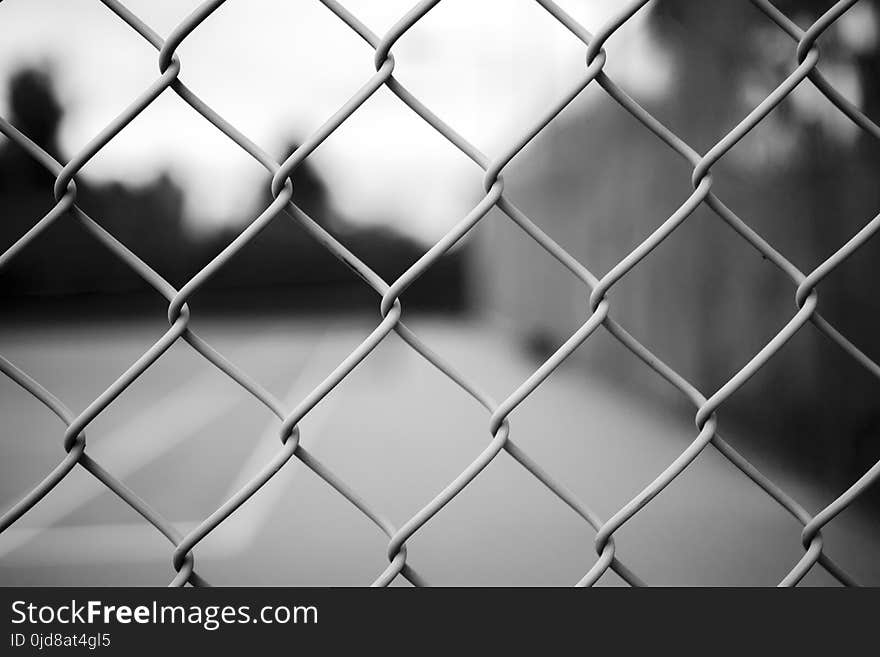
point(705, 301)
point(149, 219)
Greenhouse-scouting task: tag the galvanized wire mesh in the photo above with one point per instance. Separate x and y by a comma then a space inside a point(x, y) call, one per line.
point(805, 284)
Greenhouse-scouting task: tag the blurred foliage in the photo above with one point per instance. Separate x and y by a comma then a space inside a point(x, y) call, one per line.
point(149, 219)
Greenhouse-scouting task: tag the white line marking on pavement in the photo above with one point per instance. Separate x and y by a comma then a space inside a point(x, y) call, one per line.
point(136, 444)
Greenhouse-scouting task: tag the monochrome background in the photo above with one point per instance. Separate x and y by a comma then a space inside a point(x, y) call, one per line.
point(175, 190)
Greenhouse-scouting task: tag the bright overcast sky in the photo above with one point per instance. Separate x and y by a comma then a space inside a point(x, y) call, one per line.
point(277, 69)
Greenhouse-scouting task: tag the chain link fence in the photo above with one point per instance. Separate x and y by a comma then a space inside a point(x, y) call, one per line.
point(805, 56)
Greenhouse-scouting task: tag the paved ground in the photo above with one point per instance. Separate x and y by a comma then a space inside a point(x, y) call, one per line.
point(184, 437)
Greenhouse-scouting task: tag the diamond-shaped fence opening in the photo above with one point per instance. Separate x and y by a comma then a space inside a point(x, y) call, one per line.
point(499, 412)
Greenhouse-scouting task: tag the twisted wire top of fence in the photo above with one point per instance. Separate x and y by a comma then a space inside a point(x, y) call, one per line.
point(805, 57)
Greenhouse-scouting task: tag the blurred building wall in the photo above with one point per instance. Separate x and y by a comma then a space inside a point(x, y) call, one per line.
point(599, 183)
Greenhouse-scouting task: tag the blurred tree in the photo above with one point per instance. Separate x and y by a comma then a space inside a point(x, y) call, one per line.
point(35, 107)
point(65, 258)
point(149, 220)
